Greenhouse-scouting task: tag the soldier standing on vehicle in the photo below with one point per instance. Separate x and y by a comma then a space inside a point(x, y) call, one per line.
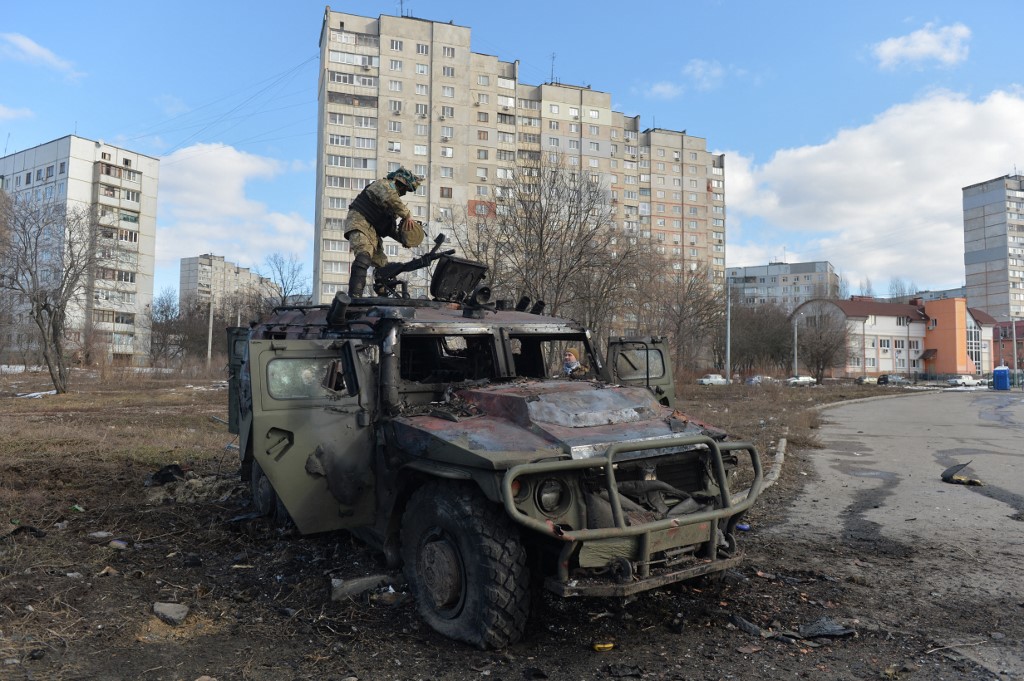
point(372, 216)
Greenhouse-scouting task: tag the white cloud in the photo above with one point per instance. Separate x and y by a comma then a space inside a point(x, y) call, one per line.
point(171, 105)
point(705, 75)
point(944, 44)
point(9, 114)
point(664, 90)
point(22, 48)
point(204, 208)
point(883, 200)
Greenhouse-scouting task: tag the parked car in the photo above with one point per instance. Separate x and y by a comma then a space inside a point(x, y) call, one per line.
point(965, 380)
point(712, 379)
point(800, 380)
point(866, 380)
point(760, 380)
point(893, 379)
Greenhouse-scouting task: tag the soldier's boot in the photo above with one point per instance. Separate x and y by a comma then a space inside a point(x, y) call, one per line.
point(357, 279)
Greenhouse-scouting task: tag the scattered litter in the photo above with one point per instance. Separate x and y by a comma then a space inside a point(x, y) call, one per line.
point(36, 396)
point(101, 535)
point(169, 473)
point(824, 627)
point(108, 572)
point(74, 575)
point(743, 527)
point(950, 475)
point(38, 534)
point(118, 544)
point(603, 646)
point(78, 508)
point(745, 626)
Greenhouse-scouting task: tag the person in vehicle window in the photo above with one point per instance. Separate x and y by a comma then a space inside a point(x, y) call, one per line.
point(372, 216)
point(571, 366)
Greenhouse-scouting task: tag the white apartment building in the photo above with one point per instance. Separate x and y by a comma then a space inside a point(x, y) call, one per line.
point(122, 186)
point(405, 91)
point(994, 246)
point(784, 284)
point(209, 277)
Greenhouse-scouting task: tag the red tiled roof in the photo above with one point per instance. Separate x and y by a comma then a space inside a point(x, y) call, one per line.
point(865, 308)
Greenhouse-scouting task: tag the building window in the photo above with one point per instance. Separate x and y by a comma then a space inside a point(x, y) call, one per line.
point(420, 149)
point(481, 154)
point(448, 71)
point(447, 171)
point(421, 70)
point(447, 91)
point(446, 192)
point(448, 111)
point(396, 45)
point(448, 52)
point(395, 146)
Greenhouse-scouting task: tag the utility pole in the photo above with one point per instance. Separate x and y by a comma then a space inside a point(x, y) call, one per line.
point(209, 335)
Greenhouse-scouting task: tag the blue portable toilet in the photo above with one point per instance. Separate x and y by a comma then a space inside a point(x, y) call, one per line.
point(1001, 378)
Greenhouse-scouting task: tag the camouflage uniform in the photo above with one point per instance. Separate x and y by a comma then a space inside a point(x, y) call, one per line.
point(371, 217)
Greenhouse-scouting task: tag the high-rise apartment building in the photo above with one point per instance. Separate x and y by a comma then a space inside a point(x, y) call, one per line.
point(784, 284)
point(209, 277)
point(994, 246)
point(404, 91)
point(121, 186)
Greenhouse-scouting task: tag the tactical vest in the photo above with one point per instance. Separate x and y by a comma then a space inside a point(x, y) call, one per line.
point(374, 213)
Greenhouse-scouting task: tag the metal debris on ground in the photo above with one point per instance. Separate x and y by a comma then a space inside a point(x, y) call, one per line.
point(951, 476)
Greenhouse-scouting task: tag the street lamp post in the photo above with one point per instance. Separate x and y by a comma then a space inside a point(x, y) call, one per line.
point(728, 329)
point(796, 363)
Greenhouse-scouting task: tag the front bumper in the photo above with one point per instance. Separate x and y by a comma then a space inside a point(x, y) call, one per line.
point(638, 543)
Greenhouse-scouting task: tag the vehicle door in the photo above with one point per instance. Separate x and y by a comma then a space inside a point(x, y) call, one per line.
point(641, 361)
point(312, 433)
point(238, 397)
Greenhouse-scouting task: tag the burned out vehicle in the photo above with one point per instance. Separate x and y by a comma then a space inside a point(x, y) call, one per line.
point(432, 430)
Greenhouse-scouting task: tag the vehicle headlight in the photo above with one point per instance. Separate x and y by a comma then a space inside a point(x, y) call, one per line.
point(552, 496)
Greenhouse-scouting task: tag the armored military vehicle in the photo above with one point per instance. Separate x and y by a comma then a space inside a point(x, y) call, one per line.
point(433, 430)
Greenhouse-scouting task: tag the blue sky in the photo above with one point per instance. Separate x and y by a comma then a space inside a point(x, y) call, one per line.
point(849, 128)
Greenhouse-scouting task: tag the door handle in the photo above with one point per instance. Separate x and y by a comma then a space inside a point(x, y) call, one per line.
point(284, 439)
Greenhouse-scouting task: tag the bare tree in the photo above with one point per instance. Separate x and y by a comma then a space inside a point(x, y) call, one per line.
point(823, 337)
point(48, 256)
point(762, 338)
point(546, 231)
point(901, 291)
point(844, 288)
point(685, 306)
point(165, 329)
point(285, 274)
point(865, 287)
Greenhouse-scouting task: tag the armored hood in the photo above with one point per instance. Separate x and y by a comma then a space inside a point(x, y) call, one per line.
point(503, 425)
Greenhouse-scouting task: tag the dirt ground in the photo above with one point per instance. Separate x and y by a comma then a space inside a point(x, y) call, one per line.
point(94, 548)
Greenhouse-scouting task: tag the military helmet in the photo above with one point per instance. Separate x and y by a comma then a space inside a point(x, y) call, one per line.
point(405, 177)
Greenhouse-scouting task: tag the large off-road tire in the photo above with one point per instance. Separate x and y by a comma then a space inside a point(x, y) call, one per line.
point(466, 565)
point(264, 499)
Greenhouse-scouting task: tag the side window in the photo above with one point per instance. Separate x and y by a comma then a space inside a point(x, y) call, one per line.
point(299, 378)
point(633, 364)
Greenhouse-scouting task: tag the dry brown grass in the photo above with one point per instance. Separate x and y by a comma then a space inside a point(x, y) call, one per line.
point(102, 437)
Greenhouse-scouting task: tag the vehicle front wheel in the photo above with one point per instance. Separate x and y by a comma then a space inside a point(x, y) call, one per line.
point(466, 565)
point(264, 499)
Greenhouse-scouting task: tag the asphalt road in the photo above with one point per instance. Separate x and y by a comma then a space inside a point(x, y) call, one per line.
point(877, 486)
